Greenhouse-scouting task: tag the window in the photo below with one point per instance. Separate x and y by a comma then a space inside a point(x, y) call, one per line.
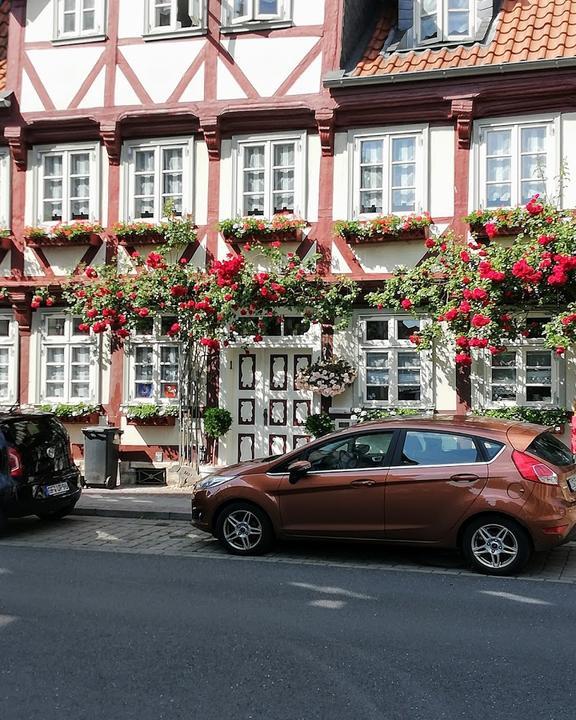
point(516, 162)
point(154, 370)
point(67, 182)
point(358, 451)
point(522, 377)
point(438, 20)
point(173, 16)
point(8, 364)
point(159, 172)
point(244, 11)
point(394, 372)
point(434, 448)
point(270, 176)
point(68, 372)
point(388, 173)
point(79, 18)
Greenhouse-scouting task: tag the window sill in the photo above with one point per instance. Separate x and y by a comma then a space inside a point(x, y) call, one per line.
point(81, 40)
point(174, 34)
point(255, 26)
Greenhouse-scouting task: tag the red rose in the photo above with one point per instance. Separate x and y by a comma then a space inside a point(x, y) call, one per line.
point(491, 229)
point(463, 359)
point(560, 350)
point(462, 342)
point(406, 304)
point(430, 243)
point(479, 320)
point(451, 314)
point(479, 294)
point(92, 313)
point(123, 333)
point(464, 256)
point(143, 312)
point(91, 273)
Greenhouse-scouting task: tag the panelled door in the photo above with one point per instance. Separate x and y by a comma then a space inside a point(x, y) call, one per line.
point(270, 411)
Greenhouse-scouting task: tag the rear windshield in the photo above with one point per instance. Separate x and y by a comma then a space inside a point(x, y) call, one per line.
point(547, 447)
point(25, 432)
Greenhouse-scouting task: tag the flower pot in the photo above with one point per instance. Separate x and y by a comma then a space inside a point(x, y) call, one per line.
point(151, 238)
point(61, 241)
point(159, 421)
point(402, 235)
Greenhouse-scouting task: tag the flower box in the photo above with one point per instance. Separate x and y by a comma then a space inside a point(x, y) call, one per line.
point(404, 236)
point(281, 237)
point(150, 238)
point(256, 229)
point(158, 421)
point(89, 419)
point(479, 233)
point(79, 239)
point(5, 242)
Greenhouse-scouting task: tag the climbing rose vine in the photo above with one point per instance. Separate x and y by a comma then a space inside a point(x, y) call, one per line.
point(480, 294)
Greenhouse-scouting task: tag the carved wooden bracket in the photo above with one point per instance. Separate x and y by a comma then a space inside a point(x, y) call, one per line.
point(16, 137)
point(462, 110)
point(211, 132)
point(325, 122)
point(110, 135)
point(22, 311)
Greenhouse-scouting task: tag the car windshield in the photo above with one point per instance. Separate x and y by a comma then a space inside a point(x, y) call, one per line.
point(547, 447)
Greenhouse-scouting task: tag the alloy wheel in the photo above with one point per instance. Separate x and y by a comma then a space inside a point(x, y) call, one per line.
point(242, 530)
point(494, 546)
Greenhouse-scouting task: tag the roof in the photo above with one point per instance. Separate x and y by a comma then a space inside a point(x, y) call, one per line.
point(524, 30)
point(4, 21)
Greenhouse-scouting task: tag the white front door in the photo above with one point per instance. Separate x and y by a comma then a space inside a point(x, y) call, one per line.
point(269, 412)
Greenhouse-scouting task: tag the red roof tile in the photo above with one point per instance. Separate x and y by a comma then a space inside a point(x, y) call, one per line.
point(4, 21)
point(524, 30)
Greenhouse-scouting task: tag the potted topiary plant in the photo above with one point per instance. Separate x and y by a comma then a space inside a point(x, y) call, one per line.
point(217, 422)
point(319, 424)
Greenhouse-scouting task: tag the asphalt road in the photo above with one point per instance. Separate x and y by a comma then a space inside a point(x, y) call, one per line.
point(88, 635)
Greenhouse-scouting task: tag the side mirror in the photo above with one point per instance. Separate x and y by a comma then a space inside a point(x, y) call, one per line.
point(297, 469)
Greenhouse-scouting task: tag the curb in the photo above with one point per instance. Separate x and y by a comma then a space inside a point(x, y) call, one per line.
point(135, 514)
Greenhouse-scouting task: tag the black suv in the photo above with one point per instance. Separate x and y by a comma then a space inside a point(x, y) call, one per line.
point(37, 473)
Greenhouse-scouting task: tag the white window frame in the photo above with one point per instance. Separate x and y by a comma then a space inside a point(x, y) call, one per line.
point(157, 341)
point(394, 347)
point(68, 341)
point(97, 33)
point(238, 145)
point(95, 172)
point(158, 144)
point(356, 137)
point(197, 8)
point(5, 189)
point(442, 12)
point(515, 124)
point(253, 14)
point(10, 341)
point(482, 376)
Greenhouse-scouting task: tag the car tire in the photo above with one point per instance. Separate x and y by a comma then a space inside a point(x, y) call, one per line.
point(496, 545)
point(56, 514)
point(244, 529)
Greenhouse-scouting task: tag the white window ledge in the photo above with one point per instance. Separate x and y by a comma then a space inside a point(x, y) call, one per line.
point(256, 26)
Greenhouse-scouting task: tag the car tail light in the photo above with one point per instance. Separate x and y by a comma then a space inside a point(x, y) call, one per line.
point(532, 470)
point(15, 463)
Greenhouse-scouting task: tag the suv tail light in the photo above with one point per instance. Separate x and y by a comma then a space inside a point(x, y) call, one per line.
point(532, 470)
point(15, 463)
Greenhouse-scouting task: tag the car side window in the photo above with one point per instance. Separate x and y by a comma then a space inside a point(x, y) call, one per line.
point(356, 451)
point(431, 448)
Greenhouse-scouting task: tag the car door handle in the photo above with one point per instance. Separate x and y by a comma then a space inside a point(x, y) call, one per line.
point(464, 477)
point(363, 483)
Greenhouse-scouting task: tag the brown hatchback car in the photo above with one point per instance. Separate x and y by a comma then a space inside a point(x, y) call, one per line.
point(497, 490)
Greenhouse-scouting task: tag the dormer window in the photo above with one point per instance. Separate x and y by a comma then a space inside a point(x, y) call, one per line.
point(240, 12)
point(444, 20)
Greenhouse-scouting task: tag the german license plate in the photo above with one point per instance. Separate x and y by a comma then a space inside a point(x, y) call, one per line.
point(58, 489)
point(572, 483)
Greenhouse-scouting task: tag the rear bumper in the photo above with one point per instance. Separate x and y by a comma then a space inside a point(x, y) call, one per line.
point(32, 499)
point(557, 532)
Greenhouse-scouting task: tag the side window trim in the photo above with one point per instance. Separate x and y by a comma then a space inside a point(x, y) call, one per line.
point(397, 459)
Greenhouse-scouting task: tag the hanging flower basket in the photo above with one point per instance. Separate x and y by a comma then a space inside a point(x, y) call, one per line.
point(328, 377)
point(61, 235)
point(257, 229)
point(385, 228)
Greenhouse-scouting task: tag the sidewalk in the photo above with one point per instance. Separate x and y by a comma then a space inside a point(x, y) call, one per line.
point(153, 503)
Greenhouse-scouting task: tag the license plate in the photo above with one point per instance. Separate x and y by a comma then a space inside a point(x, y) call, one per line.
point(58, 489)
point(572, 483)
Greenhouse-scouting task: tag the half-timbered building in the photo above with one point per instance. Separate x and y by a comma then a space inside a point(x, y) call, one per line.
point(330, 109)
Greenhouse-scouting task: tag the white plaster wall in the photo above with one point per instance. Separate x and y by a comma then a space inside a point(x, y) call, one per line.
point(149, 435)
point(308, 12)
point(226, 180)
point(341, 177)
point(314, 157)
point(39, 20)
point(445, 378)
point(568, 155)
point(386, 257)
point(441, 173)
point(279, 55)
point(131, 18)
